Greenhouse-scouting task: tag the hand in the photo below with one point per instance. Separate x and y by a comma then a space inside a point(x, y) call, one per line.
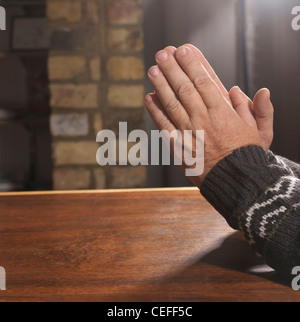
point(258, 114)
point(190, 99)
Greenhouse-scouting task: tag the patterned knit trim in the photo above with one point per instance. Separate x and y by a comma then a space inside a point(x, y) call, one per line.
point(284, 165)
point(261, 220)
point(275, 229)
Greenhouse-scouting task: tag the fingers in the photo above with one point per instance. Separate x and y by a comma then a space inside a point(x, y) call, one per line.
point(158, 114)
point(171, 50)
point(180, 83)
point(264, 111)
point(207, 88)
point(183, 85)
point(168, 98)
point(207, 66)
point(209, 69)
point(242, 105)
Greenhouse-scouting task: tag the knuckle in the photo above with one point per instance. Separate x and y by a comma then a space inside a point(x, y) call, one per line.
point(241, 104)
point(202, 81)
point(161, 88)
point(172, 106)
point(163, 124)
point(185, 88)
point(170, 68)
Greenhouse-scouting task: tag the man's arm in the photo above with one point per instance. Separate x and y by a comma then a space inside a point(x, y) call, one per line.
point(259, 196)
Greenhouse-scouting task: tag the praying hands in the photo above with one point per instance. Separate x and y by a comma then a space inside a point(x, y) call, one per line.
point(189, 96)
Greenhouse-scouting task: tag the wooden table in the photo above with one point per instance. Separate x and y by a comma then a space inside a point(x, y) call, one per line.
point(135, 245)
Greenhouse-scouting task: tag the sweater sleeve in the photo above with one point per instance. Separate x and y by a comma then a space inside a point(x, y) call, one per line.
point(259, 195)
point(292, 165)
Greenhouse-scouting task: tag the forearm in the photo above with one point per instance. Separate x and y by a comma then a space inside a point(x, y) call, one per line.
point(261, 197)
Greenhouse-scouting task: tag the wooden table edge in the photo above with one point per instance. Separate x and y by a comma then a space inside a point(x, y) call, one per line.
point(103, 191)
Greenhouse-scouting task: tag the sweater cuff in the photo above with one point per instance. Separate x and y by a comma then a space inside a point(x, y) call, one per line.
point(234, 184)
point(283, 248)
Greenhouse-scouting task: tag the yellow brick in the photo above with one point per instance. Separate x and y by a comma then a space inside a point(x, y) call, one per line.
point(75, 153)
point(65, 67)
point(127, 96)
point(122, 40)
point(125, 12)
point(74, 96)
point(125, 68)
point(69, 10)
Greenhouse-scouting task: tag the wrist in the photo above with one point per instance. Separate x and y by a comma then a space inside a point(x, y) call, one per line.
point(236, 181)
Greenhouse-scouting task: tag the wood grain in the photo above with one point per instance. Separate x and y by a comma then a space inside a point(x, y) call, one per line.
point(143, 245)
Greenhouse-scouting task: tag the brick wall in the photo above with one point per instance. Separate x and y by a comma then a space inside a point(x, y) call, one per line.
point(96, 73)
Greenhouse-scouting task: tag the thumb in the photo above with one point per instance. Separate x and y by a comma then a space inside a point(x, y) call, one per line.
point(264, 111)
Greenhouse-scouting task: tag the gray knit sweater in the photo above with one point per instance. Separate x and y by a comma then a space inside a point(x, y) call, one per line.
point(259, 194)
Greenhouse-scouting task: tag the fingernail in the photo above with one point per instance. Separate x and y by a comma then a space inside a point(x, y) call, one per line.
point(149, 99)
point(161, 57)
point(154, 71)
point(181, 52)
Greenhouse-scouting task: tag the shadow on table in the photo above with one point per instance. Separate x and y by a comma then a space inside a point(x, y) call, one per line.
point(232, 272)
point(237, 255)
